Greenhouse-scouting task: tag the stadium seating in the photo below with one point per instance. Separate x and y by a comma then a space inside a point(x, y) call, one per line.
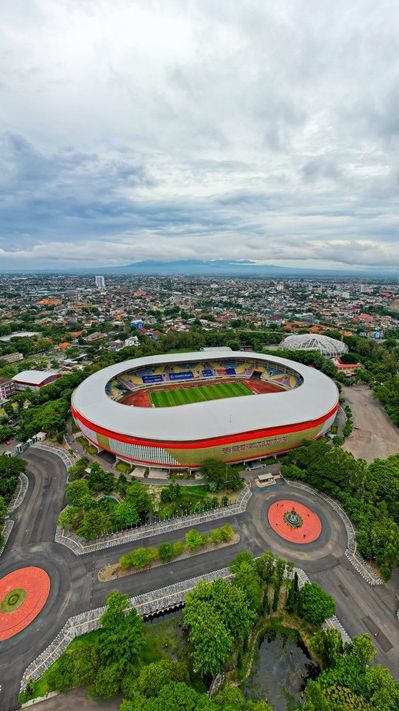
point(203, 370)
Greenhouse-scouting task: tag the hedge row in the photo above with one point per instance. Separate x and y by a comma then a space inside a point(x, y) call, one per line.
point(142, 557)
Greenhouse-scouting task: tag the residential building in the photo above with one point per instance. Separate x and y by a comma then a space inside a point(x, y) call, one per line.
point(7, 388)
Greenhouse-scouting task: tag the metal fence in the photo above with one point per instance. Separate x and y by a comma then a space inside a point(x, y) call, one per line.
point(17, 499)
point(7, 528)
point(147, 604)
point(65, 456)
point(80, 546)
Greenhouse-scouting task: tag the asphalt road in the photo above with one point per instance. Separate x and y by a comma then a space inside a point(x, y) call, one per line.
point(75, 586)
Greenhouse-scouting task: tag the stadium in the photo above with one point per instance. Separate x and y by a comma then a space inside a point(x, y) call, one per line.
point(329, 347)
point(175, 411)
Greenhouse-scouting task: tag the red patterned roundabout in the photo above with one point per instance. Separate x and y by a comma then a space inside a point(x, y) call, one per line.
point(294, 522)
point(23, 594)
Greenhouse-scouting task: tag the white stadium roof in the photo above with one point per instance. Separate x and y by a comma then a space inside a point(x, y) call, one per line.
point(315, 342)
point(314, 398)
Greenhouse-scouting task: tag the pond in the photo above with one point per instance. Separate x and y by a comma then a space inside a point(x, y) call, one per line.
point(109, 498)
point(280, 671)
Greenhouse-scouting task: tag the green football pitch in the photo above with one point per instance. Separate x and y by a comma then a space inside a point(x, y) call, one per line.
point(198, 393)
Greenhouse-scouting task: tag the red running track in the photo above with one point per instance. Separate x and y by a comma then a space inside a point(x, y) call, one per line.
point(260, 387)
point(308, 532)
point(36, 583)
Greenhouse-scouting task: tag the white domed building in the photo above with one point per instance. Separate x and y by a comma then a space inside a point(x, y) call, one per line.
point(329, 347)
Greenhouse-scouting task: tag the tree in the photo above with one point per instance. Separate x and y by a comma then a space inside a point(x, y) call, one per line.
point(154, 676)
point(94, 524)
point(264, 566)
point(178, 548)
point(362, 649)
point(327, 644)
point(8, 409)
point(125, 514)
point(226, 533)
point(170, 493)
point(78, 494)
point(382, 688)
point(292, 597)
point(107, 681)
point(178, 696)
point(383, 483)
point(232, 699)
point(279, 570)
point(10, 469)
point(246, 578)
point(122, 635)
point(99, 480)
point(219, 475)
point(314, 604)
point(74, 669)
point(212, 642)
point(216, 536)
point(229, 602)
point(60, 676)
point(77, 471)
point(70, 517)
point(351, 681)
point(5, 432)
point(140, 497)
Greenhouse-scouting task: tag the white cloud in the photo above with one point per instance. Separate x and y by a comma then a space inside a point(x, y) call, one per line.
point(231, 130)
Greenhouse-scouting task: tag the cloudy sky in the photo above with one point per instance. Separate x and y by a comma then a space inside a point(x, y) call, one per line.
point(215, 129)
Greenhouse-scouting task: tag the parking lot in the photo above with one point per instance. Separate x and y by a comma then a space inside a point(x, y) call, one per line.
point(374, 436)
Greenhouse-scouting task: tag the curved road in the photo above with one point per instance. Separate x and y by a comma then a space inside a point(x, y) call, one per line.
point(75, 587)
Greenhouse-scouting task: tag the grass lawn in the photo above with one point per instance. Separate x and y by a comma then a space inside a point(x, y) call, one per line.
point(194, 492)
point(198, 393)
point(40, 687)
point(13, 600)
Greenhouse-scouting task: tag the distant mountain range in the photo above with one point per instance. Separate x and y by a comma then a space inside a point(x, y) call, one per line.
point(220, 267)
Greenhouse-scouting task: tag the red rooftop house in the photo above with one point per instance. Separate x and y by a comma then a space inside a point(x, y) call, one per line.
point(34, 379)
point(348, 368)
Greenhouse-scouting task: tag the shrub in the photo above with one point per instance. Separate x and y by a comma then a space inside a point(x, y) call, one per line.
point(141, 557)
point(166, 551)
point(178, 548)
point(226, 532)
point(125, 561)
point(216, 535)
point(195, 540)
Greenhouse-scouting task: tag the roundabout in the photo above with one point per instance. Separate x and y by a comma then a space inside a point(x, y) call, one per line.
point(294, 522)
point(23, 594)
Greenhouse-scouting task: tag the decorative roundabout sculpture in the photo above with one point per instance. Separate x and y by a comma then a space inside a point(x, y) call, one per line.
point(294, 521)
point(23, 594)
